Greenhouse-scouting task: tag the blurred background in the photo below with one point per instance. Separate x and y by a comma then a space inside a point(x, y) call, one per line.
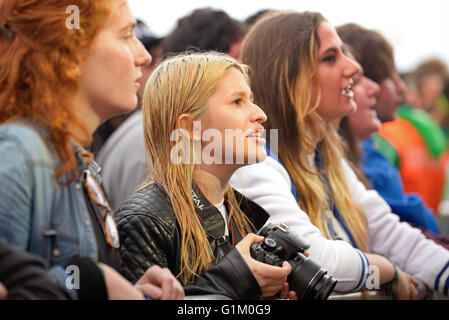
point(418, 29)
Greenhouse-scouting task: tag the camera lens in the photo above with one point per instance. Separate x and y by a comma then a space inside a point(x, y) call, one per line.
point(309, 280)
point(324, 287)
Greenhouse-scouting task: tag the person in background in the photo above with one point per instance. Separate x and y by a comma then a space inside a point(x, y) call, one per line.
point(304, 84)
point(58, 84)
point(409, 138)
point(206, 29)
point(429, 79)
point(252, 19)
point(357, 129)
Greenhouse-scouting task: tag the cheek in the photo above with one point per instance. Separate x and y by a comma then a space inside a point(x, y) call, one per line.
point(114, 66)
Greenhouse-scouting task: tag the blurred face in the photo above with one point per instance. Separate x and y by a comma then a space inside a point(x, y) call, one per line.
point(390, 97)
point(364, 121)
point(335, 71)
point(155, 53)
point(235, 123)
point(430, 89)
point(113, 66)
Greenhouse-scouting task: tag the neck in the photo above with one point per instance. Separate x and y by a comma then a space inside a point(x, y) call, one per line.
point(89, 119)
point(213, 183)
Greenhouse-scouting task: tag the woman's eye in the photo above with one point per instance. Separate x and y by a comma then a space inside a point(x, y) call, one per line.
point(238, 101)
point(329, 59)
point(129, 34)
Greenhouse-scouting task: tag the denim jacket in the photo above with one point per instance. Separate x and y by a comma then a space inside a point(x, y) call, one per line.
point(37, 213)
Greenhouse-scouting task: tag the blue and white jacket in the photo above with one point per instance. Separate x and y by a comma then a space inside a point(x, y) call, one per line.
point(269, 184)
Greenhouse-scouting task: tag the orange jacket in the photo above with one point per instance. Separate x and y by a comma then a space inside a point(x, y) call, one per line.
point(420, 172)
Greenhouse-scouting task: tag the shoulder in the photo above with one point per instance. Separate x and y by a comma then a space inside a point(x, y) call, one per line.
point(269, 170)
point(151, 202)
point(25, 140)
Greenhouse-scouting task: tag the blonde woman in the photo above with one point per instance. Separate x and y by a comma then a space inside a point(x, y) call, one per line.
point(187, 218)
point(304, 84)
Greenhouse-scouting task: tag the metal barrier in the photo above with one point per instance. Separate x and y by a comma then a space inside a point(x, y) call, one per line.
point(424, 293)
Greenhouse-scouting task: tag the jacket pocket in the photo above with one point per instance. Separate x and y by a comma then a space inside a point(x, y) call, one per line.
point(63, 248)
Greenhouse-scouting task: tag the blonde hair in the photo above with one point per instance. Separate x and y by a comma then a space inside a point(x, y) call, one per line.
point(282, 82)
point(183, 84)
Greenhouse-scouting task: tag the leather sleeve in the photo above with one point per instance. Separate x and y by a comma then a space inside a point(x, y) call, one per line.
point(230, 277)
point(145, 241)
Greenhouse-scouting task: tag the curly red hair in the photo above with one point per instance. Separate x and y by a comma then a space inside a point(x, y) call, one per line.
point(39, 68)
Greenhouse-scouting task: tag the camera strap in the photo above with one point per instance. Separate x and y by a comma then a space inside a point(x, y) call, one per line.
point(213, 223)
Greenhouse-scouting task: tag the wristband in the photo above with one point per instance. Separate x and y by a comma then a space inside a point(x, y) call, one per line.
point(101, 269)
point(389, 285)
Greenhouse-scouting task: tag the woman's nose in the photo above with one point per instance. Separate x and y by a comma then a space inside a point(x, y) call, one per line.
point(142, 56)
point(351, 68)
point(259, 115)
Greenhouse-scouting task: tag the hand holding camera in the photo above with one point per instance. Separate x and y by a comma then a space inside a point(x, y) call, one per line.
point(306, 278)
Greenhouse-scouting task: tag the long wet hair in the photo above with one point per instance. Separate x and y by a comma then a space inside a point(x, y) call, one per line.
point(183, 84)
point(282, 53)
point(39, 68)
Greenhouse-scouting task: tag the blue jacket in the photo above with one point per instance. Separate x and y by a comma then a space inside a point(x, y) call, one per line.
point(36, 213)
point(386, 180)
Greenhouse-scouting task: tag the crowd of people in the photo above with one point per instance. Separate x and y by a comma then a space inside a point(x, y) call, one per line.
point(135, 166)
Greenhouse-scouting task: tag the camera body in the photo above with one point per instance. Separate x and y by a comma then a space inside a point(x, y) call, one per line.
point(307, 279)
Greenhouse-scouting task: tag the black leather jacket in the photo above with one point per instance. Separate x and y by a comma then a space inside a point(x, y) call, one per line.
point(149, 235)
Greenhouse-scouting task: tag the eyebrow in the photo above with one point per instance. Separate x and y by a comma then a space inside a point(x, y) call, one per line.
point(241, 93)
point(131, 26)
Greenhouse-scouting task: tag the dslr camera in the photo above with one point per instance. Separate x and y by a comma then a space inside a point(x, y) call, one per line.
point(307, 279)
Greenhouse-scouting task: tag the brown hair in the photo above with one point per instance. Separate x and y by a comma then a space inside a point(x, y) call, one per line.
point(353, 150)
point(39, 68)
point(433, 66)
point(282, 52)
point(370, 49)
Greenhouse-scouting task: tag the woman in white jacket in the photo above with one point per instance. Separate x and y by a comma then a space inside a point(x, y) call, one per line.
point(302, 80)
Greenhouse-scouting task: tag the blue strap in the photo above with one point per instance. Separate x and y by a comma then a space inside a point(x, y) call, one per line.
point(275, 157)
point(336, 212)
point(438, 279)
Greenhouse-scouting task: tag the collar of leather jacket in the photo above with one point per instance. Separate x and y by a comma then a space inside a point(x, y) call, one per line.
point(212, 219)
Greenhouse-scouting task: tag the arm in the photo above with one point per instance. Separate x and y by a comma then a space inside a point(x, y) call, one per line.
point(403, 245)
point(268, 184)
point(147, 241)
point(16, 198)
point(144, 242)
point(241, 277)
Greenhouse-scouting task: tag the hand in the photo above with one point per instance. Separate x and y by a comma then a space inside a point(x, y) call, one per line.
point(158, 283)
point(286, 294)
point(271, 279)
point(118, 287)
point(3, 292)
point(405, 288)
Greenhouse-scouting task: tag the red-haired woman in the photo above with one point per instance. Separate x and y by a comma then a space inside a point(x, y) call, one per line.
point(58, 82)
